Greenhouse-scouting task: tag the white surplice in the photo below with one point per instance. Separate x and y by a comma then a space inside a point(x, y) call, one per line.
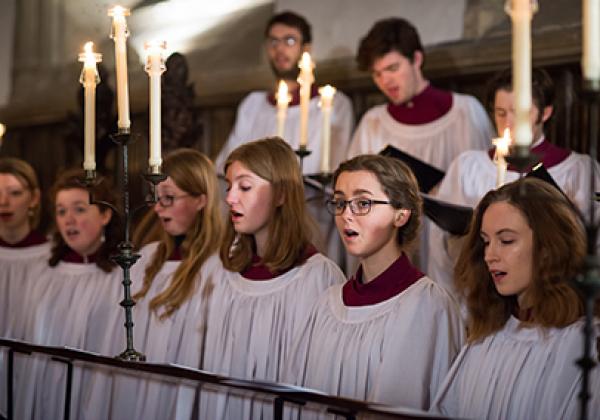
point(396, 352)
point(252, 327)
point(518, 373)
point(465, 126)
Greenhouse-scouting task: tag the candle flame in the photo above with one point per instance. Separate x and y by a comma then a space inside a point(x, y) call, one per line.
point(2, 130)
point(88, 56)
point(306, 62)
point(327, 91)
point(503, 143)
point(118, 12)
point(283, 96)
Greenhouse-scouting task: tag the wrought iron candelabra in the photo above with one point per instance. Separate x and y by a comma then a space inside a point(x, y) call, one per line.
point(125, 256)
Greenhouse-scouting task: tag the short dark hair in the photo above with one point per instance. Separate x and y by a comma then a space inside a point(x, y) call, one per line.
point(392, 34)
point(542, 88)
point(294, 20)
point(397, 182)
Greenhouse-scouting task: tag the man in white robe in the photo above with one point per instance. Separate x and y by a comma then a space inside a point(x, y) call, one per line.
point(472, 174)
point(430, 124)
point(287, 36)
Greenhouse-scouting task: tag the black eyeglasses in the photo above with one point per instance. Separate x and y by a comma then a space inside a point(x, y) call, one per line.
point(168, 200)
point(288, 41)
point(358, 206)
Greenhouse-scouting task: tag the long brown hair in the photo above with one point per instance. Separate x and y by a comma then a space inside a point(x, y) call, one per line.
point(195, 174)
point(101, 191)
point(559, 248)
point(26, 176)
point(273, 160)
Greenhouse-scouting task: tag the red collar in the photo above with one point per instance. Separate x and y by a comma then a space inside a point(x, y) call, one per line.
point(258, 271)
point(549, 154)
point(427, 106)
point(314, 91)
point(398, 277)
point(33, 238)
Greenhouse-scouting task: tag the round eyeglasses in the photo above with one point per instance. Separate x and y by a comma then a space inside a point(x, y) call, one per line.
point(168, 200)
point(288, 41)
point(358, 206)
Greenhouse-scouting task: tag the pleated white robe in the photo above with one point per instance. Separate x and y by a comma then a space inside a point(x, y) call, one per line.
point(395, 352)
point(465, 126)
point(252, 327)
point(518, 373)
point(77, 303)
point(472, 175)
point(21, 285)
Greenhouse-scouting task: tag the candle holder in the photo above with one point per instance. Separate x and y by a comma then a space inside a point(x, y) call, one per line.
point(302, 152)
point(323, 178)
point(589, 282)
point(522, 158)
point(125, 256)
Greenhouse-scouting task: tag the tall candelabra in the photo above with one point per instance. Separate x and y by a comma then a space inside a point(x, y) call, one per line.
point(125, 257)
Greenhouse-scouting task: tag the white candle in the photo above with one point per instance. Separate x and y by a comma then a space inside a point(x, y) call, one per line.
point(89, 78)
point(521, 13)
point(502, 147)
point(327, 92)
point(119, 34)
point(283, 99)
point(305, 79)
point(155, 66)
point(590, 62)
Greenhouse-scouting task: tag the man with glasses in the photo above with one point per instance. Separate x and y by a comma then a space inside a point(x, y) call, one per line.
point(427, 123)
point(287, 36)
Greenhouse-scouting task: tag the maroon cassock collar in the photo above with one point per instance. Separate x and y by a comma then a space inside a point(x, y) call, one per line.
point(314, 91)
point(33, 238)
point(549, 154)
point(423, 108)
point(394, 280)
point(259, 271)
point(73, 257)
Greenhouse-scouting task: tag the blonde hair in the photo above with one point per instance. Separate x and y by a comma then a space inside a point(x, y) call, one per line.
point(26, 176)
point(195, 174)
point(273, 160)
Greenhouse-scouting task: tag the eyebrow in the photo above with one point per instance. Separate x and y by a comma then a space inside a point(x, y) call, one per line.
point(501, 231)
point(355, 192)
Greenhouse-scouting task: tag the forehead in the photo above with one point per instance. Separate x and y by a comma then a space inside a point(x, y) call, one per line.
point(350, 181)
point(280, 30)
point(237, 169)
point(72, 195)
point(11, 180)
point(388, 59)
point(502, 215)
point(168, 184)
point(505, 99)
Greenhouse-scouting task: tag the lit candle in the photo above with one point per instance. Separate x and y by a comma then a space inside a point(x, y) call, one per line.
point(326, 93)
point(155, 66)
point(119, 34)
point(590, 62)
point(305, 79)
point(502, 144)
point(89, 78)
point(521, 13)
point(283, 99)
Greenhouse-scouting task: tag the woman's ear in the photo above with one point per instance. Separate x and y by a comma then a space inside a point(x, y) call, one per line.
point(401, 217)
point(200, 202)
point(106, 215)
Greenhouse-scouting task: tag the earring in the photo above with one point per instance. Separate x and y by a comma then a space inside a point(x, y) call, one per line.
point(30, 212)
point(103, 237)
point(235, 245)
